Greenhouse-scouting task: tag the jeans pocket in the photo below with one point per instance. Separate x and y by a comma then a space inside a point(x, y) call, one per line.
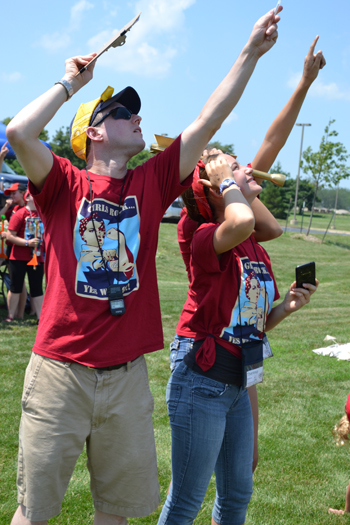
point(173, 393)
point(174, 348)
point(205, 387)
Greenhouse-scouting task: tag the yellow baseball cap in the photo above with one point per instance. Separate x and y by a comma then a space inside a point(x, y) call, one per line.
point(88, 111)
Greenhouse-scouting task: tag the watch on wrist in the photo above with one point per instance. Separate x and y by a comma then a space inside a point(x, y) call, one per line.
point(27, 244)
point(226, 183)
point(68, 87)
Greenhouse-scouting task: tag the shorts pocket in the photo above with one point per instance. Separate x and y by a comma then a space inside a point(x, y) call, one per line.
point(31, 375)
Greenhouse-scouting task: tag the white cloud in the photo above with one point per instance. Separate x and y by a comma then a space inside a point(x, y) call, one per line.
point(231, 118)
point(62, 39)
point(77, 12)
point(330, 91)
point(293, 80)
point(144, 54)
point(54, 41)
point(319, 89)
point(11, 77)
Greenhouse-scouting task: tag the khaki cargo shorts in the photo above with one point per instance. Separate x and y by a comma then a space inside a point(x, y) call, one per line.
point(64, 406)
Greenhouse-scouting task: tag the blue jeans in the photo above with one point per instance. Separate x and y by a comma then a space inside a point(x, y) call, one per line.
point(212, 430)
point(179, 347)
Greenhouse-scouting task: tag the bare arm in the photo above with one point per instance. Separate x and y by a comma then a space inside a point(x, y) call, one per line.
point(24, 129)
point(238, 219)
point(266, 226)
point(20, 241)
point(3, 152)
point(295, 299)
point(220, 104)
point(281, 127)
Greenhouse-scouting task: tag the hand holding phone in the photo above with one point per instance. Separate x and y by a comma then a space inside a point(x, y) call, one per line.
point(305, 273)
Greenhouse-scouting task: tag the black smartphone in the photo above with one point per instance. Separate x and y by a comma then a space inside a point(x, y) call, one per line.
point(305, 273)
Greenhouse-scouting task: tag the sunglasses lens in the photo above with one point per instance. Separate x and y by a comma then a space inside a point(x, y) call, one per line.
point(121, 113)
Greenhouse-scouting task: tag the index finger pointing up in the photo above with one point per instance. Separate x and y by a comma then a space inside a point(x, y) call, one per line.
point(313, 45)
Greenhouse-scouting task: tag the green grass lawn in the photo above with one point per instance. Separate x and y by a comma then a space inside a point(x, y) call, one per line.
point(301, 472)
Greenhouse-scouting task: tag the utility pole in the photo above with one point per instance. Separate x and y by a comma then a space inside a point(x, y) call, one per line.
point(294, 221)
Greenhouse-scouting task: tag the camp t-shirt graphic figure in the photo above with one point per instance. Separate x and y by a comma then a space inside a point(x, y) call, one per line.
point(118, 240)
point(255, 302)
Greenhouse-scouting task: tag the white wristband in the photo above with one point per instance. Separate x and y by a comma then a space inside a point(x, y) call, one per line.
point(68, 87)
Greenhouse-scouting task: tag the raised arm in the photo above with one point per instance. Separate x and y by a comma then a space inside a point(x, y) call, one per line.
point(266, 226)
point(281, 127)
point(220, 104)
point(24, 129)
point(3, 152)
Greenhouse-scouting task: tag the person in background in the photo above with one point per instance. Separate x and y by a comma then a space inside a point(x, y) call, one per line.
point(341, 433)
point(25, 234)
point(14, 202)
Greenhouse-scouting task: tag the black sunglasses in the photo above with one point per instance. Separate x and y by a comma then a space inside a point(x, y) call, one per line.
point(117, 113)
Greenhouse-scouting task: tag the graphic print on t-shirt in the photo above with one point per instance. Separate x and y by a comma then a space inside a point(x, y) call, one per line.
point(248, 315)
point(33, 228)
point(119, 246)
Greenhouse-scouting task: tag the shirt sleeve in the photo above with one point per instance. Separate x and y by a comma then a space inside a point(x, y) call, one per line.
point(15, 222)
point(203, 253)
point(56, 179)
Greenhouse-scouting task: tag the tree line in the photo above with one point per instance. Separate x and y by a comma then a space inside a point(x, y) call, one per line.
point(324, 168)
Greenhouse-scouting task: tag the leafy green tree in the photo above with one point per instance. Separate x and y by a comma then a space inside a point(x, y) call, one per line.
point(327, 165)
point(61, 147)
point(140, 158)
point(276, 198)
point(225, 148)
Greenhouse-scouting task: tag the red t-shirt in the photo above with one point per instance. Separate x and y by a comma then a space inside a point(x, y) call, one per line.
point(8, 216)
point(24, 223)
point(76, 323)
point(185, 230)
point(12, 210)
point(216, 285)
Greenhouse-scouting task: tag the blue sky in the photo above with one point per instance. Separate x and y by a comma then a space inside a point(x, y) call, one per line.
point(175, 57)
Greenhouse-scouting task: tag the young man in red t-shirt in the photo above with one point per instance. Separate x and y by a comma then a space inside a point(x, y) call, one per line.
point(101, 232)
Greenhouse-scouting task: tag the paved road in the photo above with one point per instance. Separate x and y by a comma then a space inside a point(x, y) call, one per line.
point(330, 232)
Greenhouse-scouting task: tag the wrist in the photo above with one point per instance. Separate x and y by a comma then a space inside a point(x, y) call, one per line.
point(68, 86)
point(228, 183)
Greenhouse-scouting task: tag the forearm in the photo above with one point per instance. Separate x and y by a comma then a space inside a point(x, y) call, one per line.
point(220, 104)
point(227, 94)
point(14, 239)
point(266, 226)
point(24, 129)
point(280, 129)
point(31, 120)
point(277, 314)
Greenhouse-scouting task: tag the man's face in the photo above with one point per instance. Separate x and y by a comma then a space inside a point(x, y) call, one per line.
point(125, 134)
